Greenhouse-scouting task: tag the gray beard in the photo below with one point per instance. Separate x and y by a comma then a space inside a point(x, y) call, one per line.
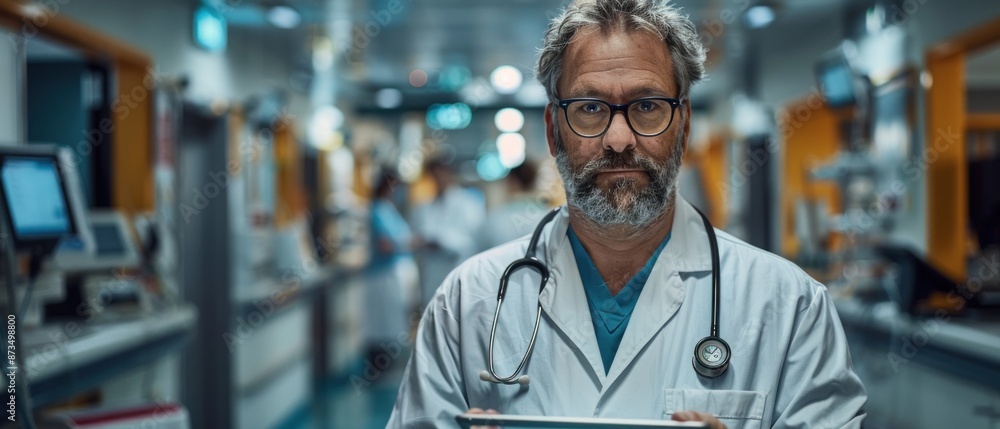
point(626, 202)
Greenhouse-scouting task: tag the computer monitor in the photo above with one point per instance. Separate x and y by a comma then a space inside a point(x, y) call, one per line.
point(36, 192)
point(836, 79)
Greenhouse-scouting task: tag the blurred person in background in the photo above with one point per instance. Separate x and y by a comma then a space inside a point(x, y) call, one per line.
point(520, 214)
point(446, 227)
point(391, 288)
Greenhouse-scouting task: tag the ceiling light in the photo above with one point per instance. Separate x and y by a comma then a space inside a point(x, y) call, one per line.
point(506, 79)
point(284, 17)
point(759, 16)
point(509, 120)
point(388, 98)
point(511, 149)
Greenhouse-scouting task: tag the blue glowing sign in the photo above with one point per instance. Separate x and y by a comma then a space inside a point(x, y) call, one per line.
point(209, 29)
point(449, 116)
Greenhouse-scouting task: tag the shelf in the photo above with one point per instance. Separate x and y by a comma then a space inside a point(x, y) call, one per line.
point(969, 349)
point(283, 293)
point(65, 360)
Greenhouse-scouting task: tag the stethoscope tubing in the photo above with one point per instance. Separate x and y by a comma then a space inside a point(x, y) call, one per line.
point(531, 261)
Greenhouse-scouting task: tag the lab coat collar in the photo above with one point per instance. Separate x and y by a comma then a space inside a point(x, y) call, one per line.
point(688, 249)
point(565, 301)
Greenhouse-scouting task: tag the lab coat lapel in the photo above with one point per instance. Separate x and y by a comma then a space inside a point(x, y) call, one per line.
point(564, 300)
point(664, 291)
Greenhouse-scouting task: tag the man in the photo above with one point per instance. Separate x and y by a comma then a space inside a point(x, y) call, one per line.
point(520, 214)
point(446, 227)
point(630, 293)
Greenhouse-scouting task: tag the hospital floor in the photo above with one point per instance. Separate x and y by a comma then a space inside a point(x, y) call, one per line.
point(355, 407)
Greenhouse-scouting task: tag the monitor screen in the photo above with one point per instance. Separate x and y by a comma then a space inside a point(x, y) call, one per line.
point(838, 84)
point(108, 239)
point(35, 197)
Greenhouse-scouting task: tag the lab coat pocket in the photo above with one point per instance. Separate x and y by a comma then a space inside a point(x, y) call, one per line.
point(737, 409)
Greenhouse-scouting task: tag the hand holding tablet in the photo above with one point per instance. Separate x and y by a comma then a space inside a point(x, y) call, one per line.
point(479, 418)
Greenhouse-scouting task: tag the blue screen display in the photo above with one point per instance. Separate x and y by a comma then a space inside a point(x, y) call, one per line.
point(35, 197)
point(838, 86)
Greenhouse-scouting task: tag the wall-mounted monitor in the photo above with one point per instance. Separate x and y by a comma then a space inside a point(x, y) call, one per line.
point(838, 80)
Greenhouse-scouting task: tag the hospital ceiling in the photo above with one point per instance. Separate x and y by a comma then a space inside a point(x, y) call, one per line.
point(381, 41)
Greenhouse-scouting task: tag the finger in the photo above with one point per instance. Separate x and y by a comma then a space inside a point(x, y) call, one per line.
point(681, 416)
point(475, 411)
point(492, 411)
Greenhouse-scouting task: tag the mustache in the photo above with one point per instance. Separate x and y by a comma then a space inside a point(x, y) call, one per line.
point(617, 161)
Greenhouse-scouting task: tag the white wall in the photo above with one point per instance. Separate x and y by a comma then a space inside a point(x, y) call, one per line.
point(10, 126)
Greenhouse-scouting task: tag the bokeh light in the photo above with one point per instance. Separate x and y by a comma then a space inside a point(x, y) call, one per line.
point(509, 120)
point(418, 78)
point(506, 79)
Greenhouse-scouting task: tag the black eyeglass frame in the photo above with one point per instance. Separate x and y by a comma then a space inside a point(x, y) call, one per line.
point(673, 102)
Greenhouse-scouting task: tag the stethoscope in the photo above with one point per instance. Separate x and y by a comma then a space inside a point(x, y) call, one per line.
point(711, 354)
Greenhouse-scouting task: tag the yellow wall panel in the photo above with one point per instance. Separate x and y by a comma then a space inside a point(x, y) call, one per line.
point(947, 178)
point(810, 138)
point(132, 158)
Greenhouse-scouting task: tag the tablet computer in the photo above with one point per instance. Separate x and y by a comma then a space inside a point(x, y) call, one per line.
point(468, 421)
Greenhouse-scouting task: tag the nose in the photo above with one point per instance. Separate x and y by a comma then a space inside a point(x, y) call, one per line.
point(619, 136)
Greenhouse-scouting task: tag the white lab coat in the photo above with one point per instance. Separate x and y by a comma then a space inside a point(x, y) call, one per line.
point(453, 221)
point(790, 365)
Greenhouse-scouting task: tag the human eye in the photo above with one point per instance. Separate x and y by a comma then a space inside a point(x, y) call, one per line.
point(591, 107)
point(647, 105)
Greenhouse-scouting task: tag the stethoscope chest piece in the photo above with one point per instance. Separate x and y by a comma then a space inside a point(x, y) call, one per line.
point(711, 357)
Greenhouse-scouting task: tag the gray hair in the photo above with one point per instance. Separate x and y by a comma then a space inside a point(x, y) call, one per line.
point(656, 16)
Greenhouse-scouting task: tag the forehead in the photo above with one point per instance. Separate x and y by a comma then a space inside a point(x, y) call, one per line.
point(616, 64)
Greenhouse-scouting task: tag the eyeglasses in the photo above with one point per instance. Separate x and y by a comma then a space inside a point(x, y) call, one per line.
point(647, 117)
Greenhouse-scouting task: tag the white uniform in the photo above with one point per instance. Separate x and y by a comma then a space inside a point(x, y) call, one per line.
point(790, 366)
point(453, 221)
point(511, 221)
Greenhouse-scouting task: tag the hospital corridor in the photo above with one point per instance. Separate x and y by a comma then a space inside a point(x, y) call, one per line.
point(402, 214)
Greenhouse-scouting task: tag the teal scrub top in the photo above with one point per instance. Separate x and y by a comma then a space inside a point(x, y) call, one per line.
point(610, 314)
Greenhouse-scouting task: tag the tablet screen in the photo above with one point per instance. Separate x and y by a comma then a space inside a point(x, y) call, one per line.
point(468, 421)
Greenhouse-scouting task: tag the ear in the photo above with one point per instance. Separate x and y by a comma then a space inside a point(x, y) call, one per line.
point(686, 113)
point(550, 128)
